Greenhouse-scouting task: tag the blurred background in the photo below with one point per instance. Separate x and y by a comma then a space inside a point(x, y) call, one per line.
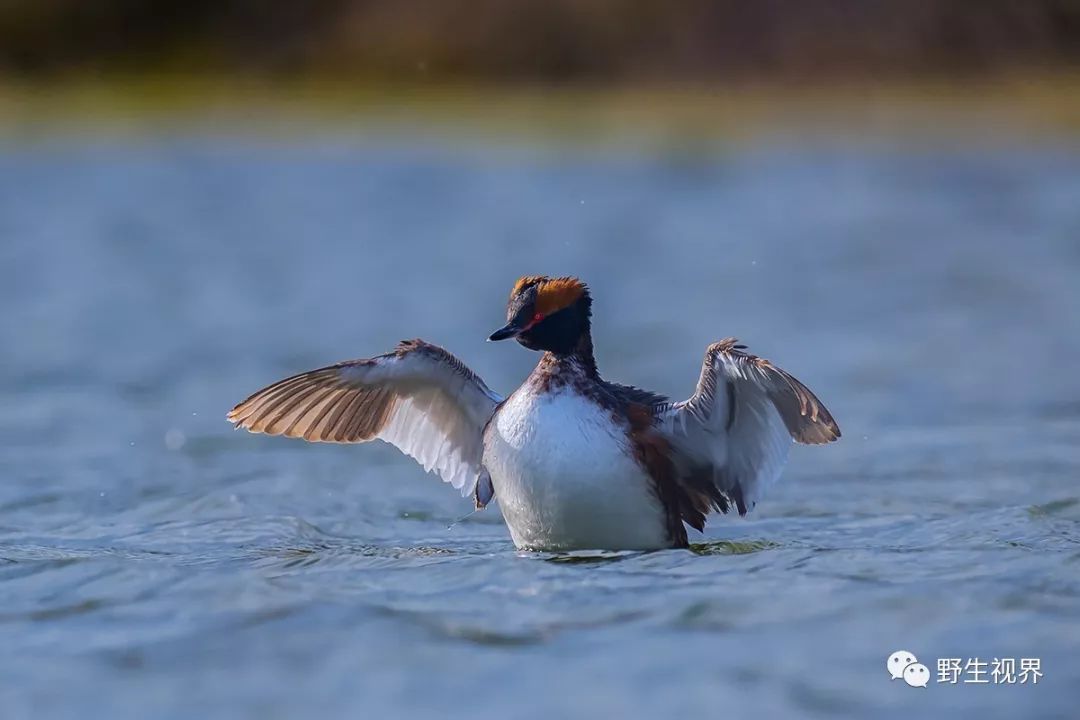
point(706, 66)
point(198, 198)
point(602, 41)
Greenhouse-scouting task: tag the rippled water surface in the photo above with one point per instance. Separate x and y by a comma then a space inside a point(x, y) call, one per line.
point(155, 563)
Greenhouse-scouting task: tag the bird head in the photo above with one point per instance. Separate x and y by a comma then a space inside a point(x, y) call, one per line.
point(545, 313)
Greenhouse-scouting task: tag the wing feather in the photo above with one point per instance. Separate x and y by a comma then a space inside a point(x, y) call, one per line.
point(735, 431)
point(419, 398)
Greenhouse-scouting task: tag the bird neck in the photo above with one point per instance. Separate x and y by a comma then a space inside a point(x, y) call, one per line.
point(580, 353)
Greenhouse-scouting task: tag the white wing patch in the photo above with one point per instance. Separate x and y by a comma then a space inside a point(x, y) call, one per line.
point(419, 398)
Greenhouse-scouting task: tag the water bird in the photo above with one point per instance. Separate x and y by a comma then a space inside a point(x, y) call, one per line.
point(575, 461)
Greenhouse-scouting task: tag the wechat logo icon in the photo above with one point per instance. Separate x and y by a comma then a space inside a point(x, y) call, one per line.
point(903, 665)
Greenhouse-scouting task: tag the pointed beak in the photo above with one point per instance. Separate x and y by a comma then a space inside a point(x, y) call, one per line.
point(507, 331)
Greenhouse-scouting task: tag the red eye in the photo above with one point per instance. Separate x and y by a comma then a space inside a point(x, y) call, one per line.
point(537, 318)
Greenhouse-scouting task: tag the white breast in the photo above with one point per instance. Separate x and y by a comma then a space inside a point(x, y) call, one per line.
point(566, 478)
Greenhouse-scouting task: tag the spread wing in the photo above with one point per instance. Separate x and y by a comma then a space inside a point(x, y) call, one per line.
point(733, 435)
point(419, 398)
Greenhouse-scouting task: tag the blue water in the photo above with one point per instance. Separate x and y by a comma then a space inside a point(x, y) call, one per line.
point(156, 563)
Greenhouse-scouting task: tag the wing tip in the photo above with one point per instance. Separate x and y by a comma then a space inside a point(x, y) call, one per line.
point(820, 429)
point(725, 345)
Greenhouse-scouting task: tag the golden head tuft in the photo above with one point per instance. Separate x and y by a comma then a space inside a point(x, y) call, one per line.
point(552, 294)
point(524, 282)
